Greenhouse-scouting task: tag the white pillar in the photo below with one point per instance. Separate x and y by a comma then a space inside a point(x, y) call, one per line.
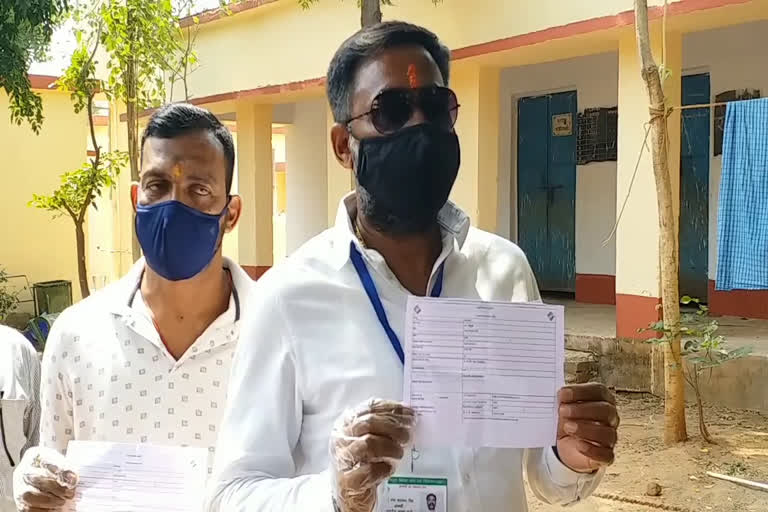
point(307, 147)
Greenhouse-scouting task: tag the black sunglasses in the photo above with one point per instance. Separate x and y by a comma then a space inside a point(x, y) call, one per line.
point(391, 109)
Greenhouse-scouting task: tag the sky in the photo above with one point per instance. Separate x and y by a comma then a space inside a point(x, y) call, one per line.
point(63, 42)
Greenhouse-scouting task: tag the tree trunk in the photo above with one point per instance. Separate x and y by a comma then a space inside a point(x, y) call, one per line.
point(370, 13)
point(82, 273)
point(674, 384)
point(703, 430)
point(132, 124)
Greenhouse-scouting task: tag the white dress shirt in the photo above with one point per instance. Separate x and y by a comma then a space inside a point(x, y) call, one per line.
point(313, 347)
point(19, 406)
point(107, 376)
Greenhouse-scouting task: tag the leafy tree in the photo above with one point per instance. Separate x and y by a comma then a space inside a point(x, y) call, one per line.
point(79, 188)
point(180, 64)
point(137, 36)
point(9, 300)
point(26, 27)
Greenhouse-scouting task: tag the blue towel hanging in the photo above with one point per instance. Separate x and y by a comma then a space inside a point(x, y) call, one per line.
point(742, 262)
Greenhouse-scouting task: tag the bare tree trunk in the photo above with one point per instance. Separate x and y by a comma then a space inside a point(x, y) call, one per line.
point(132, 124)
point(82, 273)
point(370, 13)
point(185, 76)
point(674, 383)
point(702, 423)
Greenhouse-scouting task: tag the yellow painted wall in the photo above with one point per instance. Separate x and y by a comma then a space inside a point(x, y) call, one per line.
point(31, 242)
point(328, 23)
point(637, 251)
point(255, 184)
point(478, 129)
point(340, 180)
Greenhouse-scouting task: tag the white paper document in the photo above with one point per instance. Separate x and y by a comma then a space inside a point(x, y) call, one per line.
point(484, 374)
point(117, 477)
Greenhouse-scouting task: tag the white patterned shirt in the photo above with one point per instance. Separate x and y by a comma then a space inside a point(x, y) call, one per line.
point(107, 376)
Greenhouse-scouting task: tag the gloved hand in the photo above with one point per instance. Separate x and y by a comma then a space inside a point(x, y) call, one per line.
point(42, 481)
point(367, 443)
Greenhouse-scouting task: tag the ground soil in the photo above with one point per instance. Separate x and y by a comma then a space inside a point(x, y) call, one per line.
point(642, 458)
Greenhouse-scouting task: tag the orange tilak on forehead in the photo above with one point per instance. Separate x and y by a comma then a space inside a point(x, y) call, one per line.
point(177, 171)
point(413, 79)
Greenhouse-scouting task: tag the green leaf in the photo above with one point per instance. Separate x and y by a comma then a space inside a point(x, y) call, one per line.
point(739, 352)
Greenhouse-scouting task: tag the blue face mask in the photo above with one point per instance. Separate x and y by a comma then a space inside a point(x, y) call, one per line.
point(178, 241)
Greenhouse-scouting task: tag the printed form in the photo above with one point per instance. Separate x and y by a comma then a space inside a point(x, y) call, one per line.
point(117, 477)
point(484, 373)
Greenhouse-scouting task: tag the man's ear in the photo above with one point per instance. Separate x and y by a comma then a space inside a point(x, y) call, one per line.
point(134, 195)
point(234, 210)
point(340, 143)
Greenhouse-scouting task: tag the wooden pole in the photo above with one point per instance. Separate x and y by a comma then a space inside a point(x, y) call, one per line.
point(740, 481)
point(674, 383)
point(370, 12)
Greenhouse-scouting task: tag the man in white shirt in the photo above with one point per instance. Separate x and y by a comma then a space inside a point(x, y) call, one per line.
point(324, 334)
point(147, 360)
point(19, 406)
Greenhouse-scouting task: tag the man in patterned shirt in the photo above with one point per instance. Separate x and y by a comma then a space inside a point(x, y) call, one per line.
point(147, 360)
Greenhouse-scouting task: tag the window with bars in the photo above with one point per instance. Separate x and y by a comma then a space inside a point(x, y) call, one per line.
point(719, 118)
point(598, 130)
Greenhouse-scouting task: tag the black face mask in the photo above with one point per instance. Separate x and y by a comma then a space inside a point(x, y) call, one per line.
point(407, 177)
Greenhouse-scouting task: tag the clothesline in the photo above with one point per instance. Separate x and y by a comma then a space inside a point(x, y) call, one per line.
point(707, 105)
point(639, 158)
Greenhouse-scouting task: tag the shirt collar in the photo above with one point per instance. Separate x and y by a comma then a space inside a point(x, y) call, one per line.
point(120, 297)
point(454, 223)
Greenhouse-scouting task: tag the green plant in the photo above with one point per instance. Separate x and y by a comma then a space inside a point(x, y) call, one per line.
point(26, 27)
point(79, 188)
point(9, 300)
point(703, 349)
point(183, 60)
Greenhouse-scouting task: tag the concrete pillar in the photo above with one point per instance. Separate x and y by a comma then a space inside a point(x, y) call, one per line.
point(340, 180)
point(255, 176)
point(307, 147)
point(478, 129)
point(637, 238)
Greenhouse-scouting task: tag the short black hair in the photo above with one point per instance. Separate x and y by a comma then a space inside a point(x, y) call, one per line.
point(176, 119)
point(369, 42)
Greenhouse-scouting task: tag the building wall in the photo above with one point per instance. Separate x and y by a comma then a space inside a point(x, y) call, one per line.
point(326, 24)
point(31, 242)
point(595, 80)
point(729, 55)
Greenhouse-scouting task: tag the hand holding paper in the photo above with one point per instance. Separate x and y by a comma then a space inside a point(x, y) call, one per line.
point(586, 433)
point(137, 477)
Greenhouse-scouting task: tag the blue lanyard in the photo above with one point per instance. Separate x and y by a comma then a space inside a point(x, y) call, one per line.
point(373, 296)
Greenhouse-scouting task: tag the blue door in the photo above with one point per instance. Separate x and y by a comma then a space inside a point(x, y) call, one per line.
point(694, 188)
point(546, 177)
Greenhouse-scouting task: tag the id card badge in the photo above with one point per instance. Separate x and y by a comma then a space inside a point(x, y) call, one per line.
point(414, 494)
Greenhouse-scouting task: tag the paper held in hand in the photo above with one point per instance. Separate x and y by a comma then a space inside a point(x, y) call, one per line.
point(118, 477)
point(483, 373)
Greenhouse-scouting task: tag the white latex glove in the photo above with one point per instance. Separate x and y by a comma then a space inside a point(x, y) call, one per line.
point(43, 481)
point(367, 444)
